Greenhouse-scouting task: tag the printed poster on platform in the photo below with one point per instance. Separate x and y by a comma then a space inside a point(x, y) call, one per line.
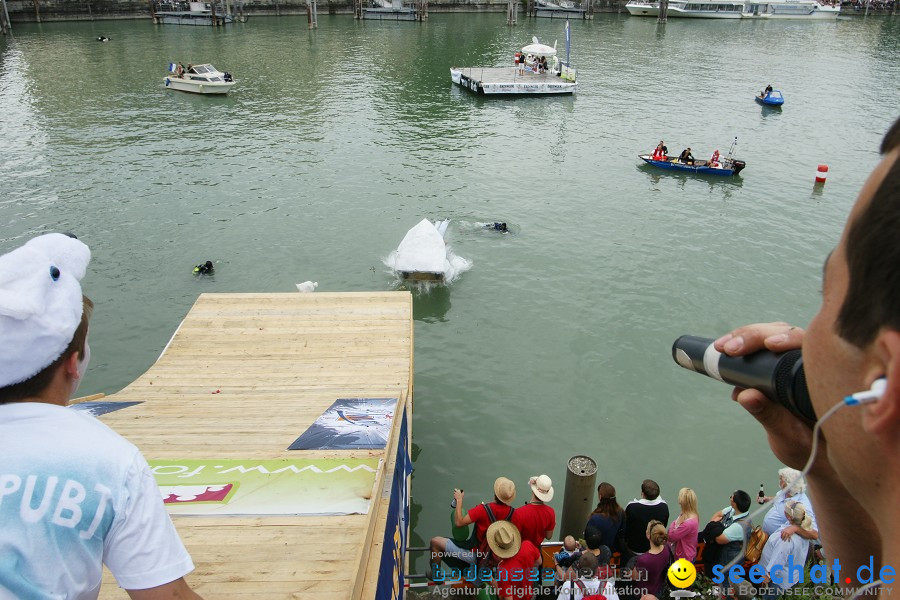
point(267, 487)
point(350, 424)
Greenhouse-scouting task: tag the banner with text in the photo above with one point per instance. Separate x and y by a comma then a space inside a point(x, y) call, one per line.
point(266, 487)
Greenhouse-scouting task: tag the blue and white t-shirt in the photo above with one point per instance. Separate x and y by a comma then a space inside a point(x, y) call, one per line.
point(73, 496)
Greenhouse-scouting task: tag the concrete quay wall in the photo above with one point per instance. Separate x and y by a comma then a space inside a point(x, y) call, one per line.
point(30, 11)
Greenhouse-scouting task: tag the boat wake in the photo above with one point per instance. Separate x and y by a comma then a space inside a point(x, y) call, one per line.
point(454, 266)
point(424, 256)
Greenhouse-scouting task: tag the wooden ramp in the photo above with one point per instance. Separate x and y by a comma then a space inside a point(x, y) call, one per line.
point(242, 378)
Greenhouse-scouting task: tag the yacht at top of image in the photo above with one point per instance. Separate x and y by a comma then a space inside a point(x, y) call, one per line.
point(739, 9)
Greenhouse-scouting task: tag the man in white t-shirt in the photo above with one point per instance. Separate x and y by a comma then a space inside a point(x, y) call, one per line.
point(73, 494)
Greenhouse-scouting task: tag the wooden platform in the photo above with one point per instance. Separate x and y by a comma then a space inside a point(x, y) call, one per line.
point(246, 374)
point(391, 14)
point(510, 81)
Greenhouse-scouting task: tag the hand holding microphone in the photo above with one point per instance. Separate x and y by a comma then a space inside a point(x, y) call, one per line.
point(777, 375)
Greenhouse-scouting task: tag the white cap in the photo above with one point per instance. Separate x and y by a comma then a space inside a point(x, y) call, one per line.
point(40, 303)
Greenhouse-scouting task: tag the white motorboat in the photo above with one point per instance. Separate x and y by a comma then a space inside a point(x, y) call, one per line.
point(738, 9)
point(199, 79)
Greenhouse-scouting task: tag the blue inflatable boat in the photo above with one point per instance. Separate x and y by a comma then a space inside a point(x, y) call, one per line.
point(773, 98)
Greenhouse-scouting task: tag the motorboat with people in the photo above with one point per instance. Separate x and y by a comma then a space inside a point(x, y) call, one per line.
point(198, 79)
point(536, 70)
point(717, 165)
point(770, 97)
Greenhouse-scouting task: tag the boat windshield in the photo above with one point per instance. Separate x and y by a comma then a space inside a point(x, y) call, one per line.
point(203, 69)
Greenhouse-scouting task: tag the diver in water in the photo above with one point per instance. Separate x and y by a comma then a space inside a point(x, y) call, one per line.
point(496, 227)
point(103, 38)
point(204, 269)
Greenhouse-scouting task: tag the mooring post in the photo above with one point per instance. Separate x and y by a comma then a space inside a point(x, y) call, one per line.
point(663, 11)
point(5, 25)
point(579, 495)
point(311, 16)
point(512, 12)
point(37, 11)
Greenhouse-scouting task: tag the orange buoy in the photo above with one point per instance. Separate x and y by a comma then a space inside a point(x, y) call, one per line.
point(821, 173)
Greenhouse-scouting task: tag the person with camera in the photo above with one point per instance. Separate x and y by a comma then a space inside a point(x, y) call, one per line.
point(475, 550)
point(852, 345)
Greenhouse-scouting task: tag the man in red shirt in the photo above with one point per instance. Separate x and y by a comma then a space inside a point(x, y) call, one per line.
point(536, 520)
point(519, 568)
point(475, 549)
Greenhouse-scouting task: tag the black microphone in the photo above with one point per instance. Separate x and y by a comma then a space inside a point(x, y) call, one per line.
point(779, 376)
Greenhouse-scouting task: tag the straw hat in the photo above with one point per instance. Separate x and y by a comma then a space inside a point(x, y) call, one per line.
point(542, 487)
point(504, 539)
point(505, 490)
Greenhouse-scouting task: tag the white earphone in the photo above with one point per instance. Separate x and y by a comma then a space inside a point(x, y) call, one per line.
point(870, 395)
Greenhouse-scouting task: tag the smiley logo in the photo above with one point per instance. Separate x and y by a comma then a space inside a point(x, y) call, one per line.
point(682, 573)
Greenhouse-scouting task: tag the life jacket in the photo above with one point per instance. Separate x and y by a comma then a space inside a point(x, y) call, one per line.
point(714, 161)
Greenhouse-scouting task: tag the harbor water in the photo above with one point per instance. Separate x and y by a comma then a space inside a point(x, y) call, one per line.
point(334, 142)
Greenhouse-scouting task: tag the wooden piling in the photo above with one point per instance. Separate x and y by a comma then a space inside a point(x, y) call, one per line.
point(5, 26)
point(37, 11)
point(663, 11)
point(512, 12)
point(312, 15)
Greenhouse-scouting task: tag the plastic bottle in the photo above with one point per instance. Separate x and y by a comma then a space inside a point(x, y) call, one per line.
point(459, 533)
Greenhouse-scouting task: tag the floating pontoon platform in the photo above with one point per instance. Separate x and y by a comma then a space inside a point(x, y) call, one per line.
point(189, 17)
point(559, 13)
point(510, 81)
point(390, 14)
point(243, 377)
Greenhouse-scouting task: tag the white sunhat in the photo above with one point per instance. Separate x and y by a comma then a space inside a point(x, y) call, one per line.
point(542, 487)
point(40, 303)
